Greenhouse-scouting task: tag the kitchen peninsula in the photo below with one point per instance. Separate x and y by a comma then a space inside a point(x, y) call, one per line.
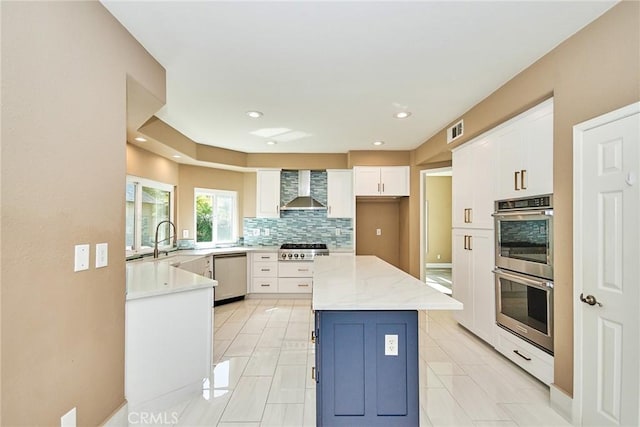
point(366, 335)
point(168, 333)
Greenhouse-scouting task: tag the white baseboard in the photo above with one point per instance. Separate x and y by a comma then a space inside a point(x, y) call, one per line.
point(561, 402)
point(118, 418)
point(438, 265)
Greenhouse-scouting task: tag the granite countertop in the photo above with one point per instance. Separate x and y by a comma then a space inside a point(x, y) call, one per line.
point(368, 283)
point(148, 279)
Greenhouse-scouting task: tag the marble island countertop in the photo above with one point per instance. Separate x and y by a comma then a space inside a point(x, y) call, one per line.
point(368, 283)
point(148, 279)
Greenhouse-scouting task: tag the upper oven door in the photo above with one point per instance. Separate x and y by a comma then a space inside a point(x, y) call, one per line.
point(524, 242)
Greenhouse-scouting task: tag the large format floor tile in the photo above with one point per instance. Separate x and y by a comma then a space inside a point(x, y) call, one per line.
point(263, 359)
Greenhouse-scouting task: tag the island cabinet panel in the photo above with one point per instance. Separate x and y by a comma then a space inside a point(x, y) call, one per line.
point(359, 379)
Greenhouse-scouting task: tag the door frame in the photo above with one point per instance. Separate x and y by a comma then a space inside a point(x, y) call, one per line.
point(578, 131)
point(423, 215)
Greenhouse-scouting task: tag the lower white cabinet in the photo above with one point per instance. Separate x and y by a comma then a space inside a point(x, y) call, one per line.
point(264, 272)
point(473, 282)
point(530, 358)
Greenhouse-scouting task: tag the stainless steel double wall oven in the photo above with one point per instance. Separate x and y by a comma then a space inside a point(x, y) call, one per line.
point(524, 268)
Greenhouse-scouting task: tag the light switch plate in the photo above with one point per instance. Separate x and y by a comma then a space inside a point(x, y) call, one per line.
point(102, 255)
point(81, 259)
point(378, 232)
point(185, 234)
point(391, 345)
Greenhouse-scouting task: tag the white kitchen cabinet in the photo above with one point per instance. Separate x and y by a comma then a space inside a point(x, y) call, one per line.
point(264, 272)
point(525, 147)
point(381, 181)
point(339, 193)
point(268, 194)
point(473, 184)
point(473, 282)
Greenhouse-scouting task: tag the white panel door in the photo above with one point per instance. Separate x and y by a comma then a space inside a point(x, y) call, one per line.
point(606, 266)
point(339, 193)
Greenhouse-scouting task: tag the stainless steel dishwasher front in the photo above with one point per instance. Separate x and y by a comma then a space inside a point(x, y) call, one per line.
point(230, 270)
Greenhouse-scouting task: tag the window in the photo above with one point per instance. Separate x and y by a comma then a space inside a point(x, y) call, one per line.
point(148, 203)
point(216, 214)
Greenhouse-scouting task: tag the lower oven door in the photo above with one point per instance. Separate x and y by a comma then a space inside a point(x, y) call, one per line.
point(524, 306)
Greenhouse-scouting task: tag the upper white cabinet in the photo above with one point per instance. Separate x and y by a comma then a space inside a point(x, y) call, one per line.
point(381, 181)
point(268, 194)
point(339, 193)
point(526, 153)
point(473, 184)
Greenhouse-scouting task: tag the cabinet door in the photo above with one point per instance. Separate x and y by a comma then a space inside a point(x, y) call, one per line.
point(339, 193)
point(462, 286)
point(510, 145)
point(538, 165)
point(394, 180)
point(268, 194)
point(473, 185)
point(482, 264)
point(366, 181)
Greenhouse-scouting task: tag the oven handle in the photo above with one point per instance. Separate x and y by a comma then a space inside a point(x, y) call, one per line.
point(548, 212)
point(540, 284)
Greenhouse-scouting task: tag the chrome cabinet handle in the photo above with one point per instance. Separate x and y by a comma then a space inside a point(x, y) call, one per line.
point(304, 285)
point(590, 299)
point(383, 188)
point(378, 187)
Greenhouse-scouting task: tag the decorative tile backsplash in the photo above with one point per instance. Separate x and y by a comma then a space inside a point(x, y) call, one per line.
point(532, 232)
point(300, 226)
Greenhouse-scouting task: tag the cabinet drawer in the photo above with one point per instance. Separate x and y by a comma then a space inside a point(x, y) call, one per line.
point(264, 285)
point(265, 256)
point(540, 364)
point(295, 285)
point(295, 269)
point(265, 269)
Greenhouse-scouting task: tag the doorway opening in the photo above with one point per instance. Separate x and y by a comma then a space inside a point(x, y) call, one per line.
point(435, 236)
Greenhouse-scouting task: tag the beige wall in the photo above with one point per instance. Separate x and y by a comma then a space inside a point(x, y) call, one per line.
point(385, 215)
point(192, 177)
point(64, 74)
point(144, 164)
point(438, 196)
point(591, 73)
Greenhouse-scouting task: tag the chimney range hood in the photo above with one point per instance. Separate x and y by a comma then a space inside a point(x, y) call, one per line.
point(304, 201)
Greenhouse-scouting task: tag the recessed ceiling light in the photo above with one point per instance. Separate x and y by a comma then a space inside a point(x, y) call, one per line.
point(271, 142)
point(378, 143)
point(176, 156)
point(254, 114)
point(402, 115)
point(140, 139)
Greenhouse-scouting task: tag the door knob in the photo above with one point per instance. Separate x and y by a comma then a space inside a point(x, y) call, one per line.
point(590, 299)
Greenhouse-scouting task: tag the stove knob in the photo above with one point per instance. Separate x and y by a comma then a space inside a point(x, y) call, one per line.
point(296, 255)
point(290, 255)
point(301, 255)
point(284, 256)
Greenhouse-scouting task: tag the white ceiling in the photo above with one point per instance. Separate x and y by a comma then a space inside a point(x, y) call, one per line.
point(336, 72)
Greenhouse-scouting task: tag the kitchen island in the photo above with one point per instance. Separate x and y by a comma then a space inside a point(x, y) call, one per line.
point(168, 333)
point(366, 335)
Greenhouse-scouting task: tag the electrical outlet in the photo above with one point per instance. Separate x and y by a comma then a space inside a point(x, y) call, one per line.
point(81, 260)
point(378, 232)
point(256, 231)
point(185, 234)
point(267, 232)
point(102, 255)
point(438, 256)
point(338, 232)
point(391, 345)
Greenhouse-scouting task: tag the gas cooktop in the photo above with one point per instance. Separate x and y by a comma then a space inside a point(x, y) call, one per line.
point(302, 251)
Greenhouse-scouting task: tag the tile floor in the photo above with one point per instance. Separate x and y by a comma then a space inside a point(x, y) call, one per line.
point(439, 278)
point(263, 359)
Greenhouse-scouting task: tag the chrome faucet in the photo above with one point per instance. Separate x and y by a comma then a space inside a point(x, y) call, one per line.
point(155, 245)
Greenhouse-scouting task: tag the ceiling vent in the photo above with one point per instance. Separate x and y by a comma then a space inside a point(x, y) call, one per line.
point(455, 131)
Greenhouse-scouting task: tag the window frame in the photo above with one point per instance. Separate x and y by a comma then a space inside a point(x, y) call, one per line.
point(234, 220)
point(138, 183)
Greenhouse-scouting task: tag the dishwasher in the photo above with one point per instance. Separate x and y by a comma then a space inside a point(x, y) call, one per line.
point(230, 270)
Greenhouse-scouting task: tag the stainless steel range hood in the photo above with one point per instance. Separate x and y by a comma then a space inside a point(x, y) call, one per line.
point(304, 201)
